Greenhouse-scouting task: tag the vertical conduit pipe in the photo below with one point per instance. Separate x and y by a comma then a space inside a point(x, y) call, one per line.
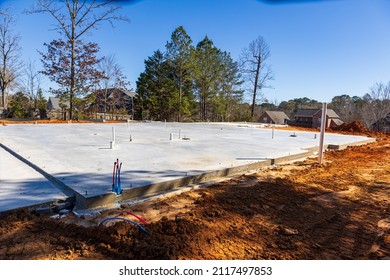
point(322, 134)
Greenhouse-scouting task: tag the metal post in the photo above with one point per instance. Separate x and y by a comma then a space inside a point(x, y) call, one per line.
point(273, 132)
point(322, 134)
point(113, 134)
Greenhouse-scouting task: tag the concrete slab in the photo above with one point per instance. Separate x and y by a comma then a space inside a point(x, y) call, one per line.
point(22, 186)
point(79, 156)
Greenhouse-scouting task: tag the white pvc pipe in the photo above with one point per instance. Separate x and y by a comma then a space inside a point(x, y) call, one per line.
point(322, 134)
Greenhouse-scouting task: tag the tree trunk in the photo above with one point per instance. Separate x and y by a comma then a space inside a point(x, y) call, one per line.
point(180, 97)
point(4, 83)
point(72, 59)
point(3, 98)
point(255, 87)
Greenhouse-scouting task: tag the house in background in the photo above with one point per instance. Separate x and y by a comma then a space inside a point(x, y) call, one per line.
point(312, 118)
point(57, 109)
point(382, 124)
point(332, 119)
point(274, 117)
point(113, 104)
point(303, 117)
point(109, 104)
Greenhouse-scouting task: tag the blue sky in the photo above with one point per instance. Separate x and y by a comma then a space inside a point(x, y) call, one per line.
point(319, 49)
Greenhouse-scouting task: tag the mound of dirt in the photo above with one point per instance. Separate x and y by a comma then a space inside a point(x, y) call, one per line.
point(354, 126)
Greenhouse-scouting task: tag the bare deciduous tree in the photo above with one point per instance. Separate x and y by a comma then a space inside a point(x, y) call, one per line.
point(9, 55)
point(75, 18)
point(256, 71)
point(113, 77)
point(31, 85)
point(380, 94)
point(375, 105)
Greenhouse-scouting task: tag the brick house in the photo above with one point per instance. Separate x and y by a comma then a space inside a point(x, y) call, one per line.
point(312, 118)
point(332, 119)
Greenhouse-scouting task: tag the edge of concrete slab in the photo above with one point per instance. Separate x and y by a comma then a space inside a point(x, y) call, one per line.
point(31, 207)
point(57, 183)
point(157, 188)
point(344, 146)
point(83, 202)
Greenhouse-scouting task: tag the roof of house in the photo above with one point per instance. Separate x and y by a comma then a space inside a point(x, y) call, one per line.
point(331, 114)
point(305, 112)
point(111, 91)
point(131, 93)
point(311, 112)
point(54, 103)
point(338, 122)
point(277, 117)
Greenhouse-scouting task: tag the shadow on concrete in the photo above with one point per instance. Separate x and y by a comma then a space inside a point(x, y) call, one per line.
point(28, 193)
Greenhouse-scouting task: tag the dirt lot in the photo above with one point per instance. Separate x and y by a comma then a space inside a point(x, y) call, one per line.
point(340, 210)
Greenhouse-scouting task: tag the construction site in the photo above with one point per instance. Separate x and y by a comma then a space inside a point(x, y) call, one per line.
point(192, 191)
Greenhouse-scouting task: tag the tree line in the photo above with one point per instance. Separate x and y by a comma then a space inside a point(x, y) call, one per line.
point(186, 82)
point(183, 82)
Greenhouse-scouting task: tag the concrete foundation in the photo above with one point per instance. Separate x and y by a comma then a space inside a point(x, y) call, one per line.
point(78, 159)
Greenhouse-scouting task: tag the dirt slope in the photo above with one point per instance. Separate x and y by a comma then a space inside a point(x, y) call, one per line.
point(340, 210)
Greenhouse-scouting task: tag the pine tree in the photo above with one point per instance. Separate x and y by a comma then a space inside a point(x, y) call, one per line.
point(231, 94)
point(155, 88)
point(178, 57)
point(205, 72)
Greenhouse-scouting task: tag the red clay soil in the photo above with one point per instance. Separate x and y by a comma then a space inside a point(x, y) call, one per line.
point(340, 210)
point(354, 126)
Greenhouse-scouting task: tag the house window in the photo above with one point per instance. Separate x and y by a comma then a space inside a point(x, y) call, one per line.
point(265, 119)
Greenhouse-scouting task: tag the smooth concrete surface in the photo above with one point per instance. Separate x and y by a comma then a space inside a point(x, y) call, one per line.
point(80, 156)
point(21, 185)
